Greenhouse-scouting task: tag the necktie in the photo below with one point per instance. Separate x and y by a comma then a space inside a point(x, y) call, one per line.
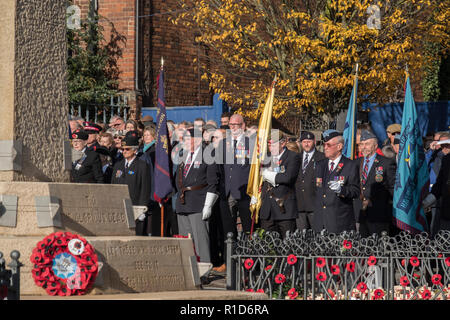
point(188, 165)
point(234, 150)
point(305, 163)
point(127, 165)
point(331, 166)
point(365, 171)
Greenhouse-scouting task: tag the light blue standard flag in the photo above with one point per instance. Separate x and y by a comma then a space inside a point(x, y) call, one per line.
point(412, 177)
point(349, 133)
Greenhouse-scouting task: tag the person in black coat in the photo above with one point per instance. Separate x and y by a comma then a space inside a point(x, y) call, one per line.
point(304, 186)
point(377, 178)
point(134, 172)
point(87, 169)
point(278, 204)
point(337, 184)
point(197, 186)
point(93, 130)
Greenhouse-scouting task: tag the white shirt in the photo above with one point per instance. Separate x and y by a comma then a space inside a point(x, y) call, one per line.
point(193, 157)
point(335, 162)
point(309, 154)
point(278, 157)
point(129, 162)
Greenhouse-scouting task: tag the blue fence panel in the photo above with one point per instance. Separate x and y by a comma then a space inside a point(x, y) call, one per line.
point(433, 116)
point(190, 113)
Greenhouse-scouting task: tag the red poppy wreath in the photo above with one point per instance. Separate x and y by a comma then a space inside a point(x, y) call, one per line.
point(64, 264)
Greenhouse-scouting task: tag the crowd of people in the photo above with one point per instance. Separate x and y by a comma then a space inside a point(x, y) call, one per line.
point(308, 183)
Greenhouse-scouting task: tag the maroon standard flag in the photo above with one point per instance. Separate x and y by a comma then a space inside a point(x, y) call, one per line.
point(163, 182)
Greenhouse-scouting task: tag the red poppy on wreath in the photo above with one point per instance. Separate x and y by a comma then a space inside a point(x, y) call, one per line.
point(268, 267)
point(347, 244)
point(372, 261)
point(447, 261)
point(280, 278)
point(404, 281)
point(416, 275)
point(291, 259)
point(64, 264)
point(403, 262)
point(436, 279)
point(414, 261)
point(248, 263)
point(378, 294)
point(335, 270)
point(350, 267)
point(320, 262)
point(321, 276)
point(331, 293)
point(260, 290)
point(292, 293)
point(250, 290)
point(361, 287)
point(426, 294)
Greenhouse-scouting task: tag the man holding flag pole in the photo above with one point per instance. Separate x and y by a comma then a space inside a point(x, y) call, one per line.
point(412, 177)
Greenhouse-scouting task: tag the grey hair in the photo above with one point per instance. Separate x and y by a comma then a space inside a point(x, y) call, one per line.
point(340, 139)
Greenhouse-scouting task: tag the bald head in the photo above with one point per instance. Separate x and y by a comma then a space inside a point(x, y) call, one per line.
point(237, 125)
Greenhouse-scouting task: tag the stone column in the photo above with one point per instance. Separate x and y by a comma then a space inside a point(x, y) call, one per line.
point(33, 90)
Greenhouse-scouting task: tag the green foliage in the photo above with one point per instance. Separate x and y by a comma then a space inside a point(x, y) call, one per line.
point(430, 82)
point(93, 74)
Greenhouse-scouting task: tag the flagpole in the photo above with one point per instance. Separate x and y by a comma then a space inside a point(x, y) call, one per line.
point(161, 205)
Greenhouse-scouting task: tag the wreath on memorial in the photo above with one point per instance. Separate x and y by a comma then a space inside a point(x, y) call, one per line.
point(64, 264)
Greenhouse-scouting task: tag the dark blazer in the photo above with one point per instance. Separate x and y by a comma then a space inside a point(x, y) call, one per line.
point(237, 169)
point(378, 189)
point(305, 190)
point(137, 177)
point(87, 169)
point(285, 179)
point(200, 173)
point(334, 212)
point(441, 189)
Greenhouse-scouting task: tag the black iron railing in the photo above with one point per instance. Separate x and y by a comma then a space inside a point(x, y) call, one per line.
point(10, 278)
point(316, 266)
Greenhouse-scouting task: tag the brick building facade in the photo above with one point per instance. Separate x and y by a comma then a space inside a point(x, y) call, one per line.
point(149, 36)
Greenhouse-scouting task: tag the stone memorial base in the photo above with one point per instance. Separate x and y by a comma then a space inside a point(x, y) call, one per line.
point(126, 264)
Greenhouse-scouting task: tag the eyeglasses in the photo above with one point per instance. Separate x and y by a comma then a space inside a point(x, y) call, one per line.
point(127, 149)
point(235, 124)
point(329, 145)
point(118, 137)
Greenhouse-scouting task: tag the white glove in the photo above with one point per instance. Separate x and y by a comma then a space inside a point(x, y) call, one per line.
point(209, 203)
point(269, 176)
point(335, 186)
point(141, 217)
point(428, 201)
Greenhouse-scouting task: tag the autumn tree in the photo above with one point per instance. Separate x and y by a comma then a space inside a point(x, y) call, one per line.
point(313, 47)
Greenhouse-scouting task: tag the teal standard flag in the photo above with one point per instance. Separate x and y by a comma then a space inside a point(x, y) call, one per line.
point(412, 177)
point(349, 133)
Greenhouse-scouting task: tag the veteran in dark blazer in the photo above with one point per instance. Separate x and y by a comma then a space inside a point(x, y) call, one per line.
point(305, 189)
point(278, 205)
point(87, 169)
point(337, 184)
point(134, 172)
point(197, 186)
point(377, 179)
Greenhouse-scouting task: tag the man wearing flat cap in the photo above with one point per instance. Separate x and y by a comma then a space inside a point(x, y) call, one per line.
point(391, 131)
point(93, 130)
point(377, 179)
point(197, 184)
point(304, 186)
point(87, 169)
point(337, 184)
point(134, 172)
point(278, 204)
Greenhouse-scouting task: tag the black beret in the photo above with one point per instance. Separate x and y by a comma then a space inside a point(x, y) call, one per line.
point(80, 134)
point(131, 139)
point(306, 135)
point(330, 134)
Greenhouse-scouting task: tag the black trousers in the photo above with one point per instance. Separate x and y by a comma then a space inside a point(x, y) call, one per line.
point(216, 236)
point(305, 220)
point(243, 207)
point(280, 226)
point(170, 224)
point(367, 228)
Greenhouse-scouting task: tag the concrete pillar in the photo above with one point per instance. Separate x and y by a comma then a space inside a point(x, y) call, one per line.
point(33, 90)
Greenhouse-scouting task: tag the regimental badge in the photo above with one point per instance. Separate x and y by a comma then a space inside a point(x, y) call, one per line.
point(118, 173)
point(282, 169)
point(197, 164)
point(78, 166)
point(319, 182)
point(130, 172)
point(76, 247)
point(378, 178)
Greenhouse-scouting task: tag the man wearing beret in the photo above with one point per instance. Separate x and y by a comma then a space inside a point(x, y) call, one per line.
point(304, 186)
point(377, 178)
point(87, 169)
point(337, 184)
point(279, 207)
point(93, 130)
point(134, 172)
point(197, 185)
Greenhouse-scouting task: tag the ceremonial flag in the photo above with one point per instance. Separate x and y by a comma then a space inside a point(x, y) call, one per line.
point(163, 184)
point(259, 152)
point(349, 133)
point(412, 177)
